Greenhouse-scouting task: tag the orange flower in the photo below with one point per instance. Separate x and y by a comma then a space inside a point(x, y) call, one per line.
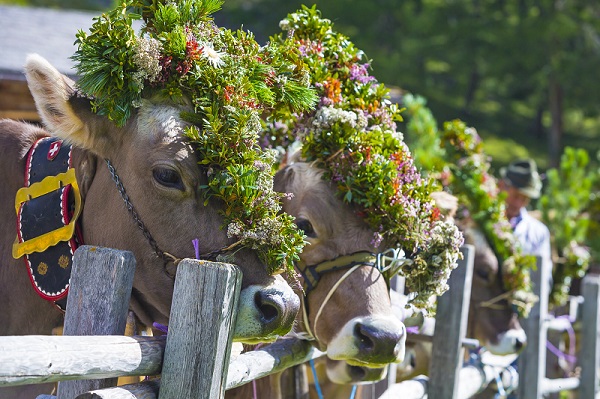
point(333, 89)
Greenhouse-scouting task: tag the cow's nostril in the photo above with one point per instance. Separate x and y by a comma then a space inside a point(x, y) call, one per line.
point(519, 344)
point(364, 335)
point(269, 306)
point(379, 342)
point(357, 373)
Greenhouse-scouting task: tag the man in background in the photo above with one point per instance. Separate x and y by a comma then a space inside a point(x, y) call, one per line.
point(522, 183)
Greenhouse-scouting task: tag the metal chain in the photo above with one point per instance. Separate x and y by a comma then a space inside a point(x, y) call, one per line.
point(167, 257)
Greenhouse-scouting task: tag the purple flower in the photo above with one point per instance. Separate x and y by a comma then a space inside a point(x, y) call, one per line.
point(359, 73)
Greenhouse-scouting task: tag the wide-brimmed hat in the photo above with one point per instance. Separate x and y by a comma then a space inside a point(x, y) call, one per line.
point(523, 175)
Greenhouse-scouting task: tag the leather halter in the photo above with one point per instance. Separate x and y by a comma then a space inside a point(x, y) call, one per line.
point(387, 262)
point(47, 210)
point(313, 273)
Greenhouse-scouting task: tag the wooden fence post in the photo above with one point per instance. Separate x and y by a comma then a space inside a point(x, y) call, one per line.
point(532, 360)
point(294, 383)
point(200, 330)
point(450, 330)
point(589, 357)
point(98, 302)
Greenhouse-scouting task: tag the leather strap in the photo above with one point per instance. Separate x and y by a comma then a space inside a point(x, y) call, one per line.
point(46, 214)
point(312, 274)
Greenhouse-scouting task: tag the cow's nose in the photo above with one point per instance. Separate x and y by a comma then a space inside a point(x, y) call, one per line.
point(359, 374)
point(520, 343)
point(379, 345)
point(276, 308)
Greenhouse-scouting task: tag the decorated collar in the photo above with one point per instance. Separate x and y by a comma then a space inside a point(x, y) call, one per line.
point(47, 211)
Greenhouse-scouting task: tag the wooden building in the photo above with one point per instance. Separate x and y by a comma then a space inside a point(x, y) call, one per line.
point(48, 32)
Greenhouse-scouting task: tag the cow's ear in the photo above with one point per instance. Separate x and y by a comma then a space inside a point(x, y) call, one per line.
point(283, 179)
point(65, 113)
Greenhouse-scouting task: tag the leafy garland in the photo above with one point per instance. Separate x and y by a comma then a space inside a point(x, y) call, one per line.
point(352, 136)
point(476, 188)
point(564, 203)
point(226, 80)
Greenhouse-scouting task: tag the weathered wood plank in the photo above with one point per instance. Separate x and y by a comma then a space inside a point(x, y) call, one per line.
point(589, 356)
point(142, 390)
point(200, 330)
point(35, 359)
point(532, 361)
point(556, 385)
point(270, 359)
point(450, 330)
point(294, 383)
point(98, 302)
point(410, 389)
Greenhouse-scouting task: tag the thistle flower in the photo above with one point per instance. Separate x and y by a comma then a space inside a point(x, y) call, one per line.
point(214, 57)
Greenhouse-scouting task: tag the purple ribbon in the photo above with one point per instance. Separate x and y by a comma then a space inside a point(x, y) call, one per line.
point(196, 243)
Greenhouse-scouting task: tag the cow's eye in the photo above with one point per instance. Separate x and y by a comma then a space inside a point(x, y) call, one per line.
point(306, 227)
point(483, 274)
point(168, 177)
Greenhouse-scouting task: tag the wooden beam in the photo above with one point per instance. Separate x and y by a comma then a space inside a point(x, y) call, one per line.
point(249, 366)
point(450, 330)
point(200, 330)
point(32, 116)
point(589, 356)
point(532, 360)
point(409, 389)
point(36, 359)
point(98, 303)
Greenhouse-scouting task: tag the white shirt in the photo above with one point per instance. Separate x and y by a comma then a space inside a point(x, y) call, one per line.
point(534, 237)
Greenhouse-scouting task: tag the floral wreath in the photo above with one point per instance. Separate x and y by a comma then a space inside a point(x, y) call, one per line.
point(476, 188)
point(352, 136)
point(227, 80)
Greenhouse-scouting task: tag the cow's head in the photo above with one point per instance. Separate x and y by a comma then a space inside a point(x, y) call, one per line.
point(348, 312)
point(159, 170)
point(491, 318)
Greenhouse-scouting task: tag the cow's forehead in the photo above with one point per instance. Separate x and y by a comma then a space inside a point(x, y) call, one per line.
point(160, 122)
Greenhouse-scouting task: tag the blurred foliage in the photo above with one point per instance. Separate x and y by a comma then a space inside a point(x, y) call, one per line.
point(421, 133)
point(570, 205)
point(564, 206)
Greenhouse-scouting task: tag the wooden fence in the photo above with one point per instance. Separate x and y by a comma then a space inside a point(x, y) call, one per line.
point(448, 380)
point(194, 358)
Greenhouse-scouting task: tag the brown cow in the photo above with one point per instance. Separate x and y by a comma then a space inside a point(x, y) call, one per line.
point(160, 172)
point(351, 317)
point(349, 313)
point(491, 320)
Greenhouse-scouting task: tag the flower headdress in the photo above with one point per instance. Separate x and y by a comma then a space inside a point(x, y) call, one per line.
point(476, 188)
point(352, 136)
point(181, 56)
